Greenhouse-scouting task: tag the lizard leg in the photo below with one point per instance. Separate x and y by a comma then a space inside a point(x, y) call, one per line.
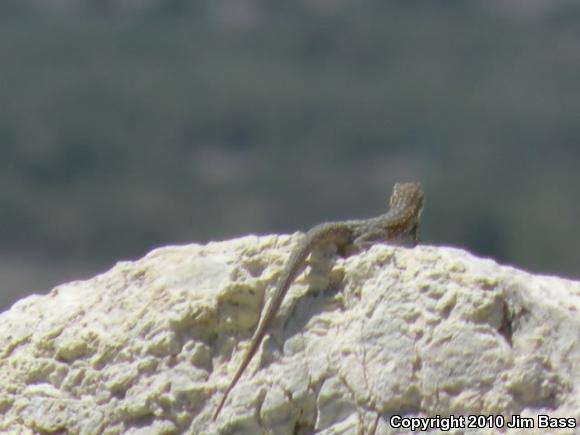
point(366, 240)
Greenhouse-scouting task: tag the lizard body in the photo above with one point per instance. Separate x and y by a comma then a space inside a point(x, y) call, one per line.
point(402, 219)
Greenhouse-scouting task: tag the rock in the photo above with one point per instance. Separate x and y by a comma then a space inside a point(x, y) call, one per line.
point(149, 346)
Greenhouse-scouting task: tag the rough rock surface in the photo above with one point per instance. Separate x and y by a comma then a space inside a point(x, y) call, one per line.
point(149, 346)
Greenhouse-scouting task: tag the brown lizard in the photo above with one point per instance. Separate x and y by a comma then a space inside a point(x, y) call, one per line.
point(402, 220)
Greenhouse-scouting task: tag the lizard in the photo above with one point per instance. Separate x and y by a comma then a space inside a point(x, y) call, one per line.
point(401, 220)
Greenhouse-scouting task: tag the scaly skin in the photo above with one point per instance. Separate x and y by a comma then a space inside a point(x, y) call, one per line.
point(402, 219)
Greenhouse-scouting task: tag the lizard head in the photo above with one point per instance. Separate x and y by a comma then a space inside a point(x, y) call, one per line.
point(408, 196)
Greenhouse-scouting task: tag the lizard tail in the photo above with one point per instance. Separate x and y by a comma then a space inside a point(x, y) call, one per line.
point(293, 266)
point(236, 378)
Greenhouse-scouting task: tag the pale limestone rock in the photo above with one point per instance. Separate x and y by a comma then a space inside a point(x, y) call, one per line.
point(149, 346)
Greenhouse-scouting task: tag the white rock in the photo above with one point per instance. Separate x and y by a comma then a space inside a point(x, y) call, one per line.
point(149, 346)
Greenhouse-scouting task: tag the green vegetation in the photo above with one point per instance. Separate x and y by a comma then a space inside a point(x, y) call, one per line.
point(122, 132)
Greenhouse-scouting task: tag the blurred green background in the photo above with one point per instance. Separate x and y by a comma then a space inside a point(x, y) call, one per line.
point(126, 125)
